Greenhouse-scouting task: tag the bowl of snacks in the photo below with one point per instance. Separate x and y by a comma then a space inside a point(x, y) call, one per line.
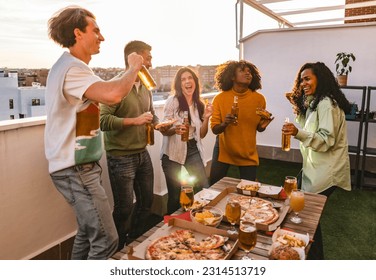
point(248, 187)
point(208, 216)
point(290, 238)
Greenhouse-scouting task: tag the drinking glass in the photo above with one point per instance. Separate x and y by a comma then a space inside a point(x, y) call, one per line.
point(291, 183)
point(232, 212)
point(247, 237)
point(297, 205)
point(186, 196)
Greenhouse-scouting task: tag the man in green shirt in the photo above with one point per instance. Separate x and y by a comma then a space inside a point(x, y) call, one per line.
point(129, 163)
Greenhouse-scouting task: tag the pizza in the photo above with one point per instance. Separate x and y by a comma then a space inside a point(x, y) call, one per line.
point(182, 245)
point(262, 216)
point(165, 123)
point(257, 210)
point(263, 113)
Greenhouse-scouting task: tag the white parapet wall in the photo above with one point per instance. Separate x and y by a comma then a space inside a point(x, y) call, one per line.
point(34, 217)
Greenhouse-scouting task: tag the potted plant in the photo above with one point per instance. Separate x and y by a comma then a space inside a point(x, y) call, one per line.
point(343, 66)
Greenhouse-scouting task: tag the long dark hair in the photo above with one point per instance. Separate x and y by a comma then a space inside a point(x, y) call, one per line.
point(327, 86)
point(178, 93)
point(226, 72)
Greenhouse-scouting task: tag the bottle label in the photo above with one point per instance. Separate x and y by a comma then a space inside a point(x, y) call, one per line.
point(286, 141)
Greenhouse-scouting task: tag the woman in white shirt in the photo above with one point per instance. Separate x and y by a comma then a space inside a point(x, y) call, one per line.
point(176, 153)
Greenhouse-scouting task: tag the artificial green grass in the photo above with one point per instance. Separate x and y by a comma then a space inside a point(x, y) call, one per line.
point(349, 225)
point(348, 222)
point(272, 172)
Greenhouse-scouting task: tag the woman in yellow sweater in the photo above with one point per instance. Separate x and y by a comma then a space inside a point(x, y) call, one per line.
point(236, 140)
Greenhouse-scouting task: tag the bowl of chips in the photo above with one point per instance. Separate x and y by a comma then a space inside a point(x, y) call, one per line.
point(208, 216)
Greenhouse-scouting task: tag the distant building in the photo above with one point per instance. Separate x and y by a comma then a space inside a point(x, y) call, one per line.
point(32, 101)
point(20, 102)
point(206, 75)
point(22, 91)
point(9, 98)
point(165, 75)
point(26, 77)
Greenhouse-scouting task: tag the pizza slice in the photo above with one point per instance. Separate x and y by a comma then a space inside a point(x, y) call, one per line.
point(169, 248)
point(185, 236)
point(211, 254)
point(261, 215)
point(211, 242)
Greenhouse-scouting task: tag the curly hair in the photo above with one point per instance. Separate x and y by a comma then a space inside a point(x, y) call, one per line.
point(178, 93)
point(327, 86)
point(226, 72)
point(61, 25)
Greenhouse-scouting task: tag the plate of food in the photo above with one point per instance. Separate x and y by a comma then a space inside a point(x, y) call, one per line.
point(285, 252)
point(269, 191)
point(248, 187)
point(208, 216)
point(288, 245)
point(290, 238)
point(165, 123)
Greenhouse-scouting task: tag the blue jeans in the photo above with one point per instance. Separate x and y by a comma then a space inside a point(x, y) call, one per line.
point(81, 186)
point(172, 170)
point(219, 169)
point(128, 174)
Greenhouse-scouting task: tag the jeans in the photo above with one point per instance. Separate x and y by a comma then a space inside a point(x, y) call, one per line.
point(219, 169)
point(172, 170)
point(81, 186)
point(129, 175)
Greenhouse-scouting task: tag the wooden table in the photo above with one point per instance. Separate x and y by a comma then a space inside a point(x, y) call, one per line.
point(314, 205)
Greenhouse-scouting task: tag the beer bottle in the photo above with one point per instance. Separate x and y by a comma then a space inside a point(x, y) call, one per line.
point(235, 110)
point(286, 139)
point(146, 78)
point(185, 135)
point(150, 134)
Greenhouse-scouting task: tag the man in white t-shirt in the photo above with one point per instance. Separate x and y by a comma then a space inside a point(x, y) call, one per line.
point(73, 143)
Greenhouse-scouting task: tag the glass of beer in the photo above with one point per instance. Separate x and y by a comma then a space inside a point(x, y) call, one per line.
point(297, 205)
point(186, 197)
point(247, 237)
point(291, 183)
point(232, 213)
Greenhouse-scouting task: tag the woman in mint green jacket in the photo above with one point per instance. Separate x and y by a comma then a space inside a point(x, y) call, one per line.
point(320, 107)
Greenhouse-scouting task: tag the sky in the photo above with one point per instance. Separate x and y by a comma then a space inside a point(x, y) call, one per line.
point(181, 32)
